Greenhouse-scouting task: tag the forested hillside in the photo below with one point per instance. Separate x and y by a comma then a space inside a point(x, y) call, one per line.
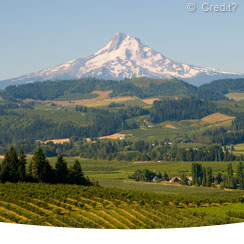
point(41, 119)
point(216, 90)
point(26, 128)
point(140, 87)
point(186, 108)
point(49, 90)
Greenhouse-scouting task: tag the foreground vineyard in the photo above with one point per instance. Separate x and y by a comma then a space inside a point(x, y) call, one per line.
point(109, 208)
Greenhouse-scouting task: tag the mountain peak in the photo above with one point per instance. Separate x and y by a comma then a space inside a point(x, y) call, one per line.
point(125, 57)
point(118, 40)
point(121, 35)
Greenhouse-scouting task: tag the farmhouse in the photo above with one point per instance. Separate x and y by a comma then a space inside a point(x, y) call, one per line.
point(174, 180)
point(122, 137)
point(156, 178)
point(55, 141)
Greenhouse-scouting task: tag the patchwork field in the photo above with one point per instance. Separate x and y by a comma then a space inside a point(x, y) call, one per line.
point(93, 99)
point(237, 96)
point(56, 141)
point(150, 100)
point(101, 100)
point(238, 149)
point(151, 134)
point(114, 136)
point(174, 129)
point(169, 130)
point(170, 126)
point(216, 117)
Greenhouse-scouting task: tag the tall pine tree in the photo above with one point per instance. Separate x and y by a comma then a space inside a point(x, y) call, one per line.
point(77, 176)
point(231, 183)
point(9, 169)
point(240, 175)
point(209, 176)
point(22, 165)
point(41, 169)
point(61, 170)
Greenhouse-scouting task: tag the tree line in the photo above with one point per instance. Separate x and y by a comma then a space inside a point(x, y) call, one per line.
point(204, 176)
point(139, 151)
point(14, 169)
point(147, 176)
point(201, 176)
point(185, 108)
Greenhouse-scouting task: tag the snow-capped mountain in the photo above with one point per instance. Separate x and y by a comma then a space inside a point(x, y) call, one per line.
point(125, 57)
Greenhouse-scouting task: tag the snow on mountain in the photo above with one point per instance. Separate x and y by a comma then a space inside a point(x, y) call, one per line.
point(125, 57)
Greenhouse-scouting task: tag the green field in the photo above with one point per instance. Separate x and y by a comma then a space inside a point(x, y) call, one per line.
point(136, 102)
point(238, 149)
point(236, 106)
point(115, 174)
point(162, 131)
point(55, 113)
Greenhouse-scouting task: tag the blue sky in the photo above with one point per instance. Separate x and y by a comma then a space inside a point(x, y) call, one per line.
point(39, 34)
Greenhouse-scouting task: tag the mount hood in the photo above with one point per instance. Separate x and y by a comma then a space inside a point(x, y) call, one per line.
point(124, 57)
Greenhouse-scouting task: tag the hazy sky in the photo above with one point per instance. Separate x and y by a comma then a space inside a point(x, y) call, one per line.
point(36, 34)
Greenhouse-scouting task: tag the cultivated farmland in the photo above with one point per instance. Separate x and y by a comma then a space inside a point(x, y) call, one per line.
point(97, 207)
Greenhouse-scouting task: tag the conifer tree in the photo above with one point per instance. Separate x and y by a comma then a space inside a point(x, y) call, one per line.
point(9, 170)
point(240, 175)
point(209, 177)
point(22, 165)
point(159, 175)
point(231, 183)
point(204, 177)
point(219, 178)
point(61, 170)
point(41, 169)
point(76, 174)
point(197, 174)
